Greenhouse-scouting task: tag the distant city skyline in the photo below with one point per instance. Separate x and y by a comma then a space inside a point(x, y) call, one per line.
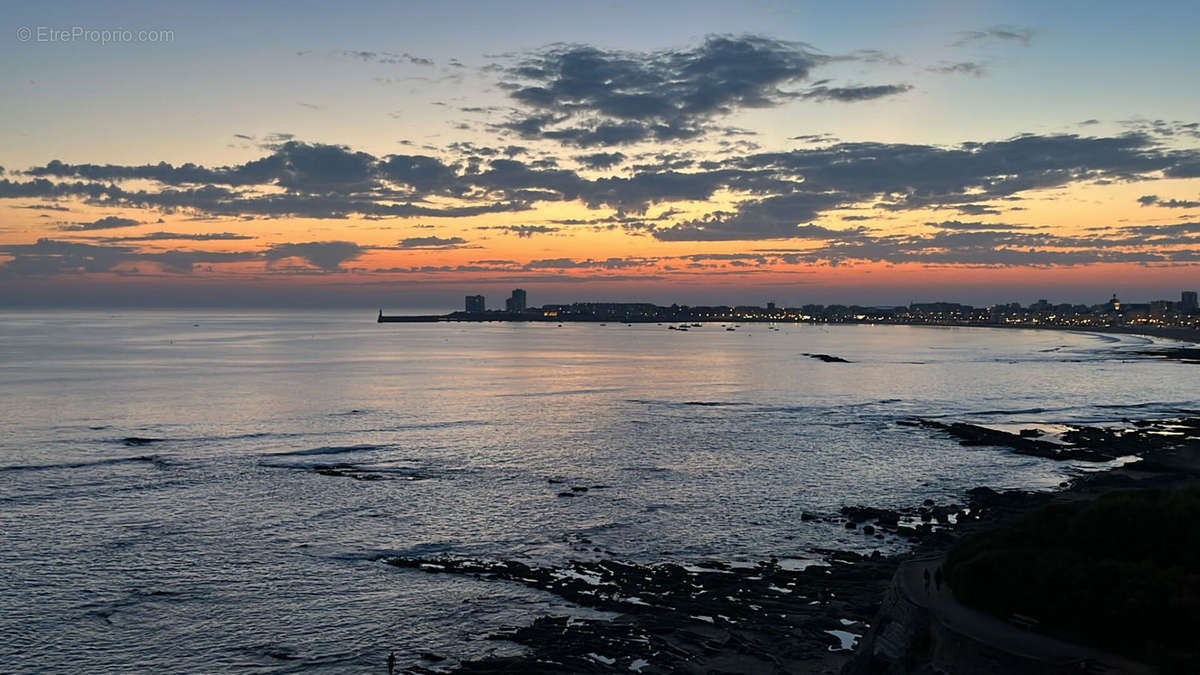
point(405, 155)
point(1186, 300)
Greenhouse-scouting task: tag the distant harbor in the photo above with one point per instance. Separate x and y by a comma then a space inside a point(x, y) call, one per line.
point(1177, 319)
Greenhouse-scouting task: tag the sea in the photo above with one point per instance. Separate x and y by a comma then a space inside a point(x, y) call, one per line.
point(186, 491)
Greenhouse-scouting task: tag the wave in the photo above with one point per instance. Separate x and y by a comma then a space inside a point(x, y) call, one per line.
point(1171, 406)
point(149, 459)
point(1166, 407)
point(133, 441)
point(1100, 337)
point(416, 426)
point(105, 609)
point(327, 450)
point(564, 392)
point(1018, 411)
point(703, 404)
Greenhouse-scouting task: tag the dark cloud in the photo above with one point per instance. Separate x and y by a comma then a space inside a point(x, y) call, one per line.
point(959, 243)
point(853, 94)
point(1158, 231)
point(903, 176)
point(41, 207)
point(105, 223)
point(327, 255)
point(659, 161)
point(600, 160)
point(1184, 169)
point(432, 242)
point(959, 68)
point(522, 231)
point(996, 247)
point(1024, 36)
point(276, 139)
point(571, 263)
point(814, 138)
point(49, 257)
point(778, 190)
point(908, 176)
point(214, 200)
point(1161, 127)
point(585, 96)
point(961, 225)
point(179, 236)
point(557, 264)
point(185, 261)
point(1153, 200)
point(385, 57)
point(977, 210)
point(771, 218)
point(293, 165)
point(420, 173)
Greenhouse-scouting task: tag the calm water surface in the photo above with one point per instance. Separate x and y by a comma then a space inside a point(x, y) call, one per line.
point(212, 544)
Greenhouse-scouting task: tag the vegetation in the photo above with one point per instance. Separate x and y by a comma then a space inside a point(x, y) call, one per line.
point(1121, 572)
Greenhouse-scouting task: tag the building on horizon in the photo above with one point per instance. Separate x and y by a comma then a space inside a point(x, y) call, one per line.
point(1187, 301)
point(516, 303)
point(475, 304)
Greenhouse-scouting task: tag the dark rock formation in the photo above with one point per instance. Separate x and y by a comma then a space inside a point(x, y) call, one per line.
point(709, 617)
point(826, 358)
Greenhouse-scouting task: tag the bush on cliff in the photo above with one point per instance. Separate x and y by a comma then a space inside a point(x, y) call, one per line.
point(1121, 572)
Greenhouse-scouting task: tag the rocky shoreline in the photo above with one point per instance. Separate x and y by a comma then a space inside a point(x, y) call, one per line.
point(713, 617)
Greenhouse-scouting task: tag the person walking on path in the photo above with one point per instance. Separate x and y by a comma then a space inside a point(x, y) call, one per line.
point(937, 579)
point(927, 580)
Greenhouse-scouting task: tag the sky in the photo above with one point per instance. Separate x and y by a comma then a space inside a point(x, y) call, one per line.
point(403, 155)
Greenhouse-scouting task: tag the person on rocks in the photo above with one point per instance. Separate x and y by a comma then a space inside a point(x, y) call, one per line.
point(391, 663)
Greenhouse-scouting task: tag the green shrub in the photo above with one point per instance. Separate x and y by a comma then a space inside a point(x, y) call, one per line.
point(1121, 572)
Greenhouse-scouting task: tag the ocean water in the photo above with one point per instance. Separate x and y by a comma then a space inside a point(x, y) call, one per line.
point(162, 508)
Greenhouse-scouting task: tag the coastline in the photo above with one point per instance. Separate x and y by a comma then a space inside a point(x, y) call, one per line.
point(1179, 334)
point(1176, 333)
point(836, 617)
point(933, 630)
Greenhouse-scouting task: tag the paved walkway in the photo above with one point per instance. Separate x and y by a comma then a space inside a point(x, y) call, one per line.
point(1001, 635)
